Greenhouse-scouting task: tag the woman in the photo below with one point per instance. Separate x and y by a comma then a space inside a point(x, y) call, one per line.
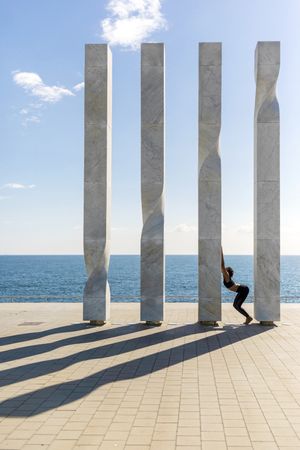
point(242, 290)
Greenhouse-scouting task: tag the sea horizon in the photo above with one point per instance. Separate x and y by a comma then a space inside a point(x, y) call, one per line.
point(130, 254)
point(61, 278)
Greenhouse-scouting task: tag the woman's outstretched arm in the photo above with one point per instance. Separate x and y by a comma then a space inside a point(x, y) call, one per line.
point(223, 269)
point(222, 259)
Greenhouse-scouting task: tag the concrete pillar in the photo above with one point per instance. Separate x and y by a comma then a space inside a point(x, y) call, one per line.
point(152, 183)
point(209, 183)
point(266, 185)
point(97, 181)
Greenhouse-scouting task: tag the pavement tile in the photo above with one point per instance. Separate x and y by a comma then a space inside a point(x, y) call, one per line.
point(242, 393)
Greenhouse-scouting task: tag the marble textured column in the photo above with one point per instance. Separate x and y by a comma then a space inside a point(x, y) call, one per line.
point(152, 183)
point(266, 185)
point(97, 181)
point(209, 183)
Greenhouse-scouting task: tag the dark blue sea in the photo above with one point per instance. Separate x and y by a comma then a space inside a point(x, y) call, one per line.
point(62, 278)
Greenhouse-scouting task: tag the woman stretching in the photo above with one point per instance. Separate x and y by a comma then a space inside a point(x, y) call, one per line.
point(242, 290)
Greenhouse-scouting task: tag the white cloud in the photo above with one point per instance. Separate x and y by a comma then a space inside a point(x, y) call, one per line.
point(33, 84)
point(3, 197)
point(78, 87)
point(30, 114)
point(36, 105)
point(183, 228)
point(246, 229)
point(31, 119)
point(18, 186)
point(132, 21)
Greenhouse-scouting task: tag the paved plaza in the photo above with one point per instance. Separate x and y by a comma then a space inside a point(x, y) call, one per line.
point(67, 385)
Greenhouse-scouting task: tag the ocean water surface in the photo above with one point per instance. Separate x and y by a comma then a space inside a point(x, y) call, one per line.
point(62, 278)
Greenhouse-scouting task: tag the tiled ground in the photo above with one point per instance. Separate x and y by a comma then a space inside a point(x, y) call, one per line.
point(66, 385)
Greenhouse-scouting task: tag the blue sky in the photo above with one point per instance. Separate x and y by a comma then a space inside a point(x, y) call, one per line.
point(41, 170)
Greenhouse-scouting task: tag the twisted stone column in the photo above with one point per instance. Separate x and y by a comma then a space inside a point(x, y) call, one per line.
point(97, 181)
point(266, 185)
point(209, 183)
point(152, 183)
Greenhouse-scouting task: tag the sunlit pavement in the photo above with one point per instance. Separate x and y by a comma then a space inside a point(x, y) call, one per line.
point(65, 384)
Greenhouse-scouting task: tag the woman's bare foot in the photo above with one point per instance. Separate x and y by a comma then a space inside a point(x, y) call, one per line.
point(248, 320)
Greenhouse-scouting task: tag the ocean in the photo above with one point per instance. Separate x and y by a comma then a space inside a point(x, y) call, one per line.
point(62, 278)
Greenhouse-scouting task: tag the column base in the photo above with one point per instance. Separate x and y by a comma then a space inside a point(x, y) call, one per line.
point(153, 323)
point(209, 323)
point(98, 323)
point(267, 323)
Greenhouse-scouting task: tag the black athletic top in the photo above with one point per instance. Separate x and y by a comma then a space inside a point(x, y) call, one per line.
point(228, 284)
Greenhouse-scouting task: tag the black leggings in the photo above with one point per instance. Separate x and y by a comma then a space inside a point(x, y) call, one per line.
point(241, 296)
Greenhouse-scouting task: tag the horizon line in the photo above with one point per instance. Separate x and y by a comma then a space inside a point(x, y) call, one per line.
point(129, 254)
